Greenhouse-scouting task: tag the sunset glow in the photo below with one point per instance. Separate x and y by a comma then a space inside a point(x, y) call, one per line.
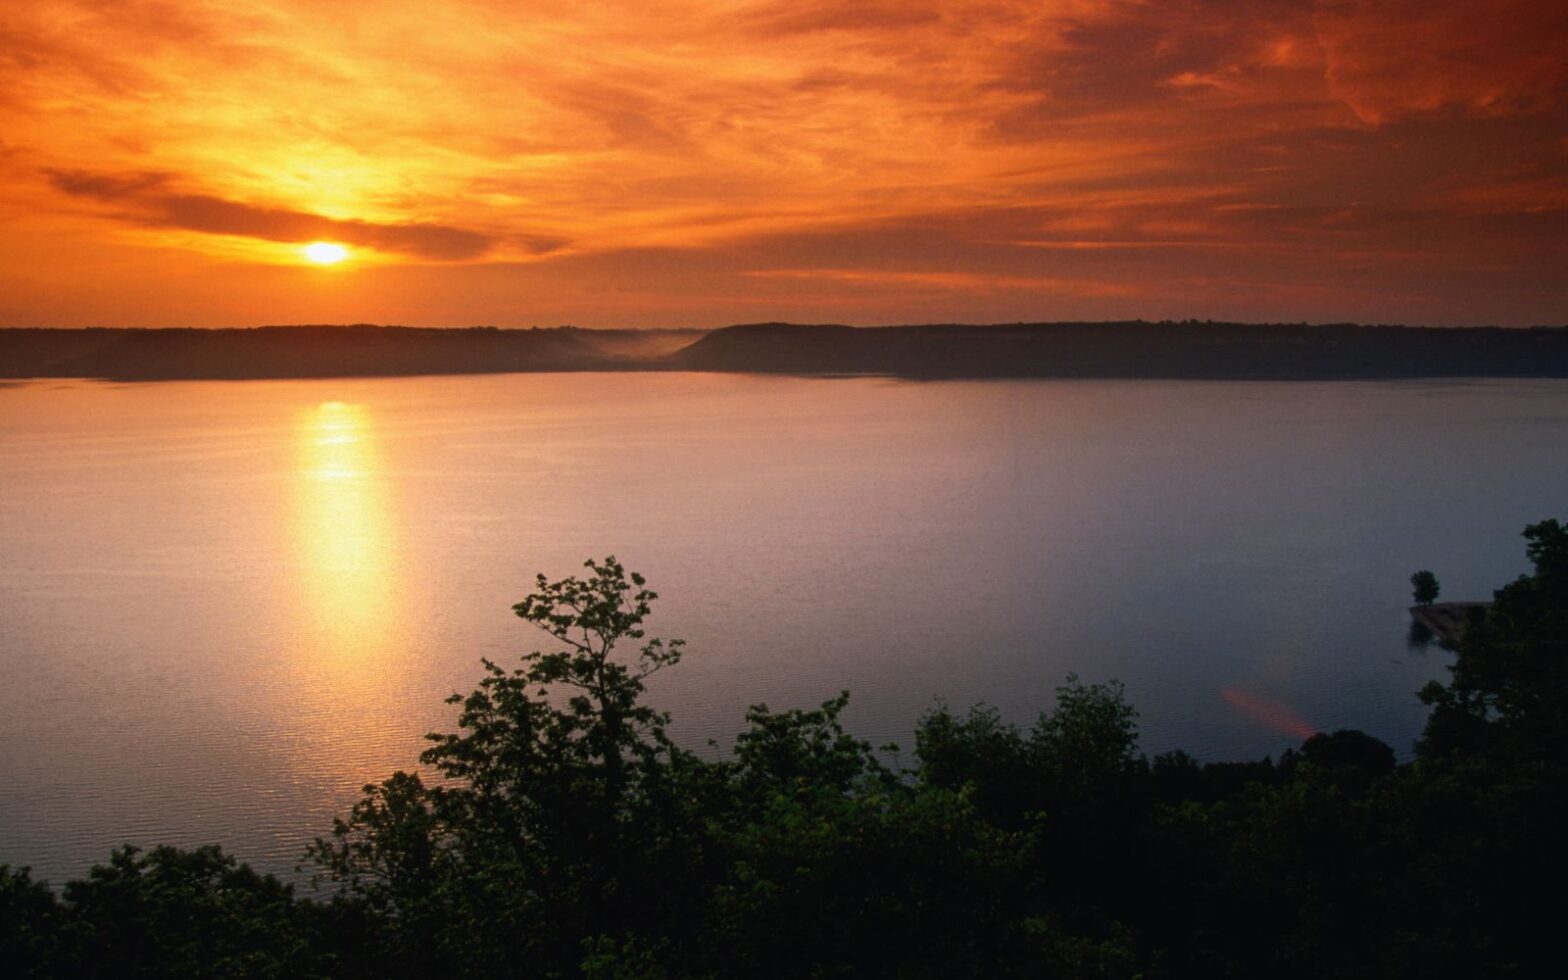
point(713, 161)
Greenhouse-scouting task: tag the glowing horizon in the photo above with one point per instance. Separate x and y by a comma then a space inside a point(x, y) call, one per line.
point(718, 161)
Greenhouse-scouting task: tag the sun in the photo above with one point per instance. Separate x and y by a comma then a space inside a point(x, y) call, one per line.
point(325, 253)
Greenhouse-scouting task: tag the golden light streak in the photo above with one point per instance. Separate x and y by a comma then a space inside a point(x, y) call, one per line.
point(343, 534)
point(352, 652)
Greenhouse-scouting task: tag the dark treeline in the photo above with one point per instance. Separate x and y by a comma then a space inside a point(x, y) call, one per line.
point(562, 834)
point(1134, 349)
point(130, 354)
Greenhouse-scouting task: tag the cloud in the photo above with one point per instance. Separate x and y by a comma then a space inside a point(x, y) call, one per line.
point(833, 15)
point(107, 187)
point(968, 282)
point(1254, 148)
point(145, 199)
point(1394, 58)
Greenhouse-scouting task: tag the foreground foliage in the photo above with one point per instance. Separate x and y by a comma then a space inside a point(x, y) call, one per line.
point(559, 833)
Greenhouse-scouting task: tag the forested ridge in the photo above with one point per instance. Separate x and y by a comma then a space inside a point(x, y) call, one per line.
point(1128, 349)
point(1189, 349)
point(559, 832)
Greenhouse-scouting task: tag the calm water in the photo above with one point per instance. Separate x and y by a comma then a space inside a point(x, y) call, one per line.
point(225, 606)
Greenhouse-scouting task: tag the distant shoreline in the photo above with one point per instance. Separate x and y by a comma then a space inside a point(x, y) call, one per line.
point(1185, 350)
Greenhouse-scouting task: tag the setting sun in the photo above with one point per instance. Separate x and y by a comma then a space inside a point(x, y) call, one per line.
point(325, 253)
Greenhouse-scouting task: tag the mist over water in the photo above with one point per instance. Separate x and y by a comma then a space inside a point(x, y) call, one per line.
point(225, 606)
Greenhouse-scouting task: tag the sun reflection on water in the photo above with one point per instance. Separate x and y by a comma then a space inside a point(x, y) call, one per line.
point(344, 530)
point(349, 659)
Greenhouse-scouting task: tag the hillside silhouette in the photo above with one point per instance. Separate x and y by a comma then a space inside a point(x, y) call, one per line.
point(130, 354)
point(1134, 349)
point(1131, 349)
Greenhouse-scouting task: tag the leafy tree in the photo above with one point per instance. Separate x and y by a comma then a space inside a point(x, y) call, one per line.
point(1344, 749)
point(1424, 587)
point(840, 867)
point(1510, 678)
point(30, 919)
point(559, 811)
point(782, 751)
point(980, 752)
point(198, 913)
point(1090, 740)
point(1494, 760)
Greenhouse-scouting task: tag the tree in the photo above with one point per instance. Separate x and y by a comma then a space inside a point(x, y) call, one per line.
point(1494, 761)
point(558, 814)
point(1090, 741)
point(1424, 587)
point(29, 925)
point(1510, 679)
point(176, 913)
point(981, 751)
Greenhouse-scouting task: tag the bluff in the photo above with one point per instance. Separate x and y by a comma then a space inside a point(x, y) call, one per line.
point(1134, 349)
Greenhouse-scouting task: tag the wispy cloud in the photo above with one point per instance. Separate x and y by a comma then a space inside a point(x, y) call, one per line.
point(145, 199)
point(969, 282)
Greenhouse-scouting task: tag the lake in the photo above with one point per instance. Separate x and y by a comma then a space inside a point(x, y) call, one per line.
point(225, 606)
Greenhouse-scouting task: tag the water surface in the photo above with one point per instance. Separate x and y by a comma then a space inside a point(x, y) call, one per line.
point(225, 606)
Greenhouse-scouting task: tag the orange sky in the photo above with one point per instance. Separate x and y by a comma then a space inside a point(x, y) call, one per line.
point(704, 162)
